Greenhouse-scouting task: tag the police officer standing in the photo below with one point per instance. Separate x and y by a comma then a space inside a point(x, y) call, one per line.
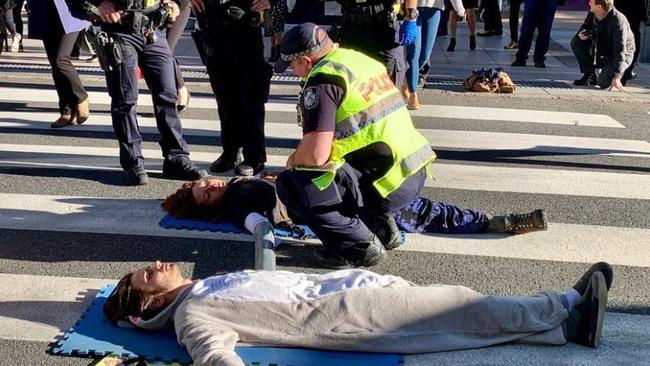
point(360, 158)
point(379, 28)
point(239, 76)
point(131, 39)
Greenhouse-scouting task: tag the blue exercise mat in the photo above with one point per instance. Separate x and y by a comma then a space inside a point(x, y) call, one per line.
point(93, 335)
point(171, 222)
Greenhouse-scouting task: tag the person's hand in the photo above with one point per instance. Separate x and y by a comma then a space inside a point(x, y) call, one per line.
point(108, 13)
point(583, 35)
point(616, 83)
point(259, 5)
point(198, 6)
point(176, 11)
point(290, 164)
point(408, 32)
point(460, 12)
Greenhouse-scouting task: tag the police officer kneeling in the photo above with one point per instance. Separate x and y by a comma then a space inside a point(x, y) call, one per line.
point(132, 37)
point(360, 157)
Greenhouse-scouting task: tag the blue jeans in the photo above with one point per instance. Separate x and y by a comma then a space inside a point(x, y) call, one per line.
point(538, 14)
point(418, 53)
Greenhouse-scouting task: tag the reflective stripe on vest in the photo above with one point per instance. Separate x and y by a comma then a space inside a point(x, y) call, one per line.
point(374, 113)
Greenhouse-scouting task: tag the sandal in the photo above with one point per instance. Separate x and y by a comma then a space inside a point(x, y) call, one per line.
point(511, 46)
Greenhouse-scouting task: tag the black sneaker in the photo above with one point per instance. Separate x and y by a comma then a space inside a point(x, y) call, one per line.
point(386, 230)
point(136, 177)
point(247, 169)
point(585, 323)
point(223, 164)
point(588, 79)
point(366, 254)
point(603, 267)
point(519, 223)
point(188, 171)
point(540, 64)
point(518, 63)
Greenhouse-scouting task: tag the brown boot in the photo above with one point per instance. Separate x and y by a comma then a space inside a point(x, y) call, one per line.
point(83, 112)
point(519, 223)
point(63, 121)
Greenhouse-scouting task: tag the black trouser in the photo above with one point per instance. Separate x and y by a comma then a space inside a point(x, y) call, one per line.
point(18, 19)
point(58, 47)
point(582, 51)
point(173, 35)
point(515, 6)
point(492, 16)
point(155, 60)
point(636, 30)
point(337, 214)
point(240, 79)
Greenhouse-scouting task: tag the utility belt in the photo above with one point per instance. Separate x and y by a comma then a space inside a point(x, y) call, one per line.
point(233, 13)
point(361, 14)
point(109, 50)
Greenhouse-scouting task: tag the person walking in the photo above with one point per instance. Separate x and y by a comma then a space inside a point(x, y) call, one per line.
point(454, 15)
point(419, 52)
point(538, 15)
point(492, 25)
point(174, 32)
point(515, 7)
point(17, 13)
point(58, 27)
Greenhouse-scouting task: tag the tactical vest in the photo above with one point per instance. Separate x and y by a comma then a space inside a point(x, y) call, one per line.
point(371, 111)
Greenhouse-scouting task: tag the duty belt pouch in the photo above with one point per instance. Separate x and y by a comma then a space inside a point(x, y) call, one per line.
point(310, 195)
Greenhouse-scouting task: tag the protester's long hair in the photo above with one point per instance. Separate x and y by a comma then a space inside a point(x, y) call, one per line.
point(181, 204)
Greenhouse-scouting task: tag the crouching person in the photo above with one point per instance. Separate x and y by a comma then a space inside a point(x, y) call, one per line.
point(350, 310)
point(360, 157)
point(604, 41)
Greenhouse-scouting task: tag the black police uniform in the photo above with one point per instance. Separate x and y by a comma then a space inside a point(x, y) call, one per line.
point(240, 79)
point(151, 52)
point(372, 27)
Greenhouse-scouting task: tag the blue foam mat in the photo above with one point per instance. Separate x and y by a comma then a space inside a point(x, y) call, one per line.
point(92, 335)
point(171, 222)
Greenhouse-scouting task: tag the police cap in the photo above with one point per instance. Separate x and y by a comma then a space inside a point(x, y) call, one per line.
point(303, 39)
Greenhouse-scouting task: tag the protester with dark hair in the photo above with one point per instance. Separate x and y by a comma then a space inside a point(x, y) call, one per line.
point(212, 199)
point(58, 27)
point(350, 310)
point(604, 41)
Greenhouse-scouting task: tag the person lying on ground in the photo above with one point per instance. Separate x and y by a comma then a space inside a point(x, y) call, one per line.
point(350, 310)
point(213, 199)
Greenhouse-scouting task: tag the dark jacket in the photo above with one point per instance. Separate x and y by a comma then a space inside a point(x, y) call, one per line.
point(40, 10)
point(614, 40)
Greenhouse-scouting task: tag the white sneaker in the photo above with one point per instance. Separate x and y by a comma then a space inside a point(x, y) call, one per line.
point(15, 42)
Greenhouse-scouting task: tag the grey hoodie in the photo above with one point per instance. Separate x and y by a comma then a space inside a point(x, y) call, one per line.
point(350, 310)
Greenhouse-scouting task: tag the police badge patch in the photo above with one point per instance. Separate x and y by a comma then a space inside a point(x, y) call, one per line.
point(310, 97)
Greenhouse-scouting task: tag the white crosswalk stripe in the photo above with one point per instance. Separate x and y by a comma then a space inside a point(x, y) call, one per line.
point(45, 304)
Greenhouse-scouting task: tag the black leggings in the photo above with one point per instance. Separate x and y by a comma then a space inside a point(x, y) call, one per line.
point(18, 19)
point(173, 35)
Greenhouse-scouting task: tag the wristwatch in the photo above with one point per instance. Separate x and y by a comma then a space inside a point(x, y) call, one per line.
point(411, 13)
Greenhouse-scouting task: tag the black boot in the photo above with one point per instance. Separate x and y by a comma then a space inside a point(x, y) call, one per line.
point(452, 45)
point(472, 42)
point(362, 254)
point(275, 54)
point(386, 230)
point(588, 79)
